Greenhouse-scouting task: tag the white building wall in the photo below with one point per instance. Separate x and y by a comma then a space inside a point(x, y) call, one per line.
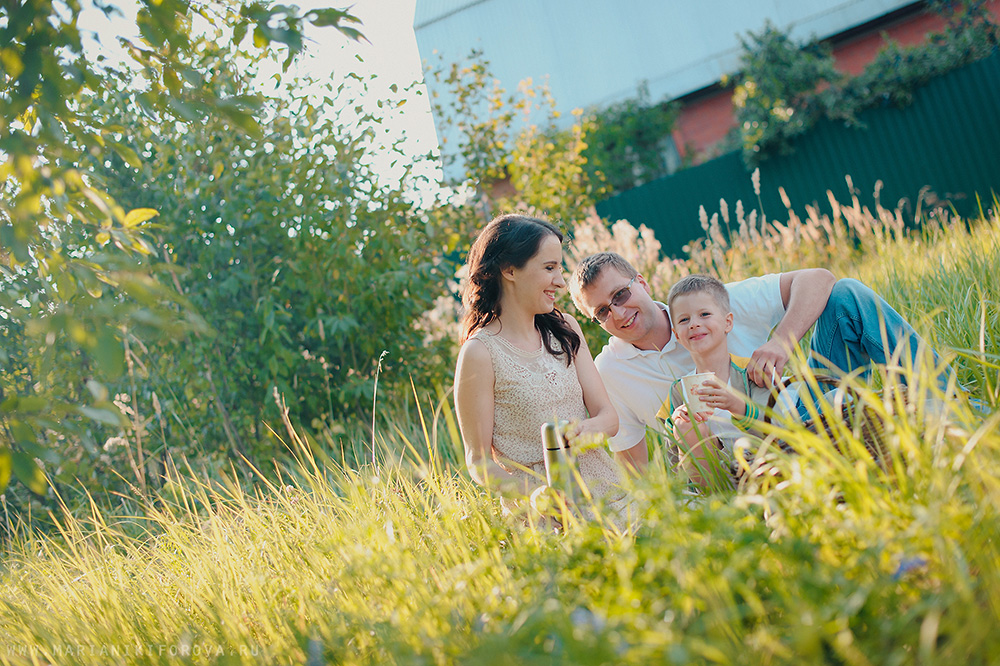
point(596, 52)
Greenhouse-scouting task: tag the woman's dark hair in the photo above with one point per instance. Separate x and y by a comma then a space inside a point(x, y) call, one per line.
point(510, 240)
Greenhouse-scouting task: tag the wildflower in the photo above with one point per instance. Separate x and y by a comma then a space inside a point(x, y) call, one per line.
point(784, 198)
point(703, 217)
point(113, 443)
point(744, 234)
point(755, 179)
point(716, 232)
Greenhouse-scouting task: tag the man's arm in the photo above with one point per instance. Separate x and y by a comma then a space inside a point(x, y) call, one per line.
point(804, 294)
point(635, 459)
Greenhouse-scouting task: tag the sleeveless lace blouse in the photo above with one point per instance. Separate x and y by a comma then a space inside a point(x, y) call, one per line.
point(530, 388)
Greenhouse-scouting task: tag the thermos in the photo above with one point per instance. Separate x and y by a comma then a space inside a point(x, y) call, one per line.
point(558, 466)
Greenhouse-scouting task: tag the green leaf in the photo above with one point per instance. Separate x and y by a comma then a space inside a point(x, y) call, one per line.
point(5, 469)
point(22, 432)
point(11, 62)
point(97, 390)
point(137, 216)
point(31, 403)
point(260, 39)
point(28, 472)
point(102, 415)
point(129, 156)
point(109, 354)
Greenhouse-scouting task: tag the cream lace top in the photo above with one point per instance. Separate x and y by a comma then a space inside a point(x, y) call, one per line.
point(530, 388)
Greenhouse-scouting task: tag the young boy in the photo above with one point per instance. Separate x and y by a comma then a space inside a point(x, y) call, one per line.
point(701, 318)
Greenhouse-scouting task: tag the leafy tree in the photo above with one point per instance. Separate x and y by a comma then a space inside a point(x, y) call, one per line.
point(305, 266)
point(509, 147)
point(781, 91)
point(785, 87)
point(969, 35)
point(627, 142)
point(511, 154)
point(75, 270)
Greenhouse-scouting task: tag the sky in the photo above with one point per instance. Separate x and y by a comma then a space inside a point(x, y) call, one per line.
point(390, 54)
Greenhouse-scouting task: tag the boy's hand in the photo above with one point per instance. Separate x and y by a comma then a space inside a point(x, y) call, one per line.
point(719, 396)
point(681, 416)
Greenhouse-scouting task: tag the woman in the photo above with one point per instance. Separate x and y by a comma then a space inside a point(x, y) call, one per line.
point(522, 363)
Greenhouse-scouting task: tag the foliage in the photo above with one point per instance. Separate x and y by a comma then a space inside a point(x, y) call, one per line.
point(625, 147)
point(408, 561)
point(890, 78)
point(75, 280)
point(514, 148)
point(305, 265)
point(786, 87)
point(509, 147)
point(823, 558)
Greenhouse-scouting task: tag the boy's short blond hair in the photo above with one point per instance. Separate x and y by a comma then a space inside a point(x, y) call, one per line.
point(697, 283)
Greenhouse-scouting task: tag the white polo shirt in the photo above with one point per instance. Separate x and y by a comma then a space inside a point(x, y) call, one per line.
point(639, 380)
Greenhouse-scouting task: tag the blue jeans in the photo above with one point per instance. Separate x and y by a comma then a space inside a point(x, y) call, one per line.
point(858, 328)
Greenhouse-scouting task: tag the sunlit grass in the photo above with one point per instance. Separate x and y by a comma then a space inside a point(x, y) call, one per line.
point(822, 556)
point(835, 561)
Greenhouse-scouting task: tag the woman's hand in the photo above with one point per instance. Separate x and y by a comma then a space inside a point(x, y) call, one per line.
point(548, 501)
point(603, 417)
point(581, 435)
point(717, 395)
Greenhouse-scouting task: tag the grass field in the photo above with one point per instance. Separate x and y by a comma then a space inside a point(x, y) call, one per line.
point(827, 559)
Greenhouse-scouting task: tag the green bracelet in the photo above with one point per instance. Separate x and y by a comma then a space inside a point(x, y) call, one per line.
point(745, 422)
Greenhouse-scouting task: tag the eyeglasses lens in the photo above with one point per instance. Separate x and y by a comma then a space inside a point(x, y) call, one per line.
point(619, 299)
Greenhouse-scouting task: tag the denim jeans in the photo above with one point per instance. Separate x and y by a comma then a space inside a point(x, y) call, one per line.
point(858, 328)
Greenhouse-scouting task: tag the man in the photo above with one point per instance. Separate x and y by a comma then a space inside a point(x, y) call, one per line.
point(854, 328)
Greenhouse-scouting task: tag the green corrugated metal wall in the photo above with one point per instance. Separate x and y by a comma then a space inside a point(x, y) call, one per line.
point(948, 139)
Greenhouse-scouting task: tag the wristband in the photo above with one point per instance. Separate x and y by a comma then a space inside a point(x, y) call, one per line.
point(746, 421)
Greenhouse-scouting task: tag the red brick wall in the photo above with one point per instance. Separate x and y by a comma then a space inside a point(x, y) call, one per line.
point(853, 55)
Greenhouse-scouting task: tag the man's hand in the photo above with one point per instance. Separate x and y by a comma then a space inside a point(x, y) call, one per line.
point(767, 363)
point(804, 294)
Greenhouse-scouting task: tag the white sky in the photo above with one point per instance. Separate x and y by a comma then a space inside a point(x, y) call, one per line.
point(390, 54)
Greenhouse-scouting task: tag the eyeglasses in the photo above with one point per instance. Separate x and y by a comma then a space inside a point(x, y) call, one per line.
point(620, 298)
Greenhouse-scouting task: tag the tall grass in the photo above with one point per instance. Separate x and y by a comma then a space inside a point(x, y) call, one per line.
point(822, 557)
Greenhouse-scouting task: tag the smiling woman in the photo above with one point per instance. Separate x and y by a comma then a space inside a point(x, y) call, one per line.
point(524, 363)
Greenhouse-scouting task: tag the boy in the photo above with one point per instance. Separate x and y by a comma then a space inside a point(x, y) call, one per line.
point(701, 318)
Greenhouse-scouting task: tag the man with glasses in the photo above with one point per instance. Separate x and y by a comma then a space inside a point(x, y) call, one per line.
point(854, 327)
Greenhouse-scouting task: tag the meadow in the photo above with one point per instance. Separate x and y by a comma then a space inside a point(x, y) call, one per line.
point(822, 558)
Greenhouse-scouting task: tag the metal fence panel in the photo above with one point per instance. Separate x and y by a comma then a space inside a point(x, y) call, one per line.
point(947, 140)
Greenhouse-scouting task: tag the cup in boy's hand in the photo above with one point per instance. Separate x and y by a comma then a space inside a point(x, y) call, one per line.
point(693, 400)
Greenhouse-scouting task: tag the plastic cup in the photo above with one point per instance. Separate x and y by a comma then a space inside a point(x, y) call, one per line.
point(694, 402)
